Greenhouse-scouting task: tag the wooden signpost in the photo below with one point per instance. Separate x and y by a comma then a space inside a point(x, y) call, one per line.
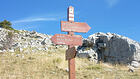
point(74, 27)
point(63, 39)
point(71, 40)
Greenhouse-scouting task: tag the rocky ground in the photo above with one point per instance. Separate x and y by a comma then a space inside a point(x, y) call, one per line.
point(99, 47)
point(23, 40)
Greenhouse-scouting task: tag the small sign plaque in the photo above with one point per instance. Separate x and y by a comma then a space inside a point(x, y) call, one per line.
point(70, 53)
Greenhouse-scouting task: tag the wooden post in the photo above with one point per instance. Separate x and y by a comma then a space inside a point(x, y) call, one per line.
point(71, 62)
point(70, 39)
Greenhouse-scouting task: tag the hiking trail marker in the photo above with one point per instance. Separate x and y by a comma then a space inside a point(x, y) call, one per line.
point(74, 27)
point(71, 40)
point(63, 39)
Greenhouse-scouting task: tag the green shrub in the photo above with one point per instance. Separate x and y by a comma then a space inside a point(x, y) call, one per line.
point(7, 44)
point(10, 35)
point(6, 24)
point(57, 60)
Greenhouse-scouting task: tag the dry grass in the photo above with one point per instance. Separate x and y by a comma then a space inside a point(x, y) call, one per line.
point(52, 65)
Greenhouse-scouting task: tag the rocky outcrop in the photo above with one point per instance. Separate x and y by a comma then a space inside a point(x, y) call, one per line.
point(110, 47)
point(21, 40)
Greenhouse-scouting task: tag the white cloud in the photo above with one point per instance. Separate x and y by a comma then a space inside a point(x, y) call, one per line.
point(33, 19)
point(112, 3)
point(28, 23)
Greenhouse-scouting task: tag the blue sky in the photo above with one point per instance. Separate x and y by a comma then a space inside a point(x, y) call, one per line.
point(44, 16)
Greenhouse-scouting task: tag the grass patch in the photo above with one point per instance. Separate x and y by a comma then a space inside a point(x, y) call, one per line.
point(52, 65)
point(94, 67)
point(57, 60)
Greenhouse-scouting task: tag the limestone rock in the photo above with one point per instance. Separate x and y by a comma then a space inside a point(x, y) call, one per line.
point(24, 40)
point(113, 48)
point(135, 64)
point(1, 51)
point(12, 50)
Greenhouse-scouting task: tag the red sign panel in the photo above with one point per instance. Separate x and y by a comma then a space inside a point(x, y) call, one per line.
point(74, 27)
point(62, 39)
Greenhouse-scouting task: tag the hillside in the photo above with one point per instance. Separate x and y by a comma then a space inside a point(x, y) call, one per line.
point(32, 55)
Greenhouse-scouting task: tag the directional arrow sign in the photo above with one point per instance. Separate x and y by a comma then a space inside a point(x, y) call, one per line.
point(62, 39)
point(74, 27)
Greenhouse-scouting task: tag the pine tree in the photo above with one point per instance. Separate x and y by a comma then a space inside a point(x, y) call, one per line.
point(6, 24)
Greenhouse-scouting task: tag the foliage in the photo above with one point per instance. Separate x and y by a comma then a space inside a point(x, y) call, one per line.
point(7, 25)
point(10, 35)
point(9, 40)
